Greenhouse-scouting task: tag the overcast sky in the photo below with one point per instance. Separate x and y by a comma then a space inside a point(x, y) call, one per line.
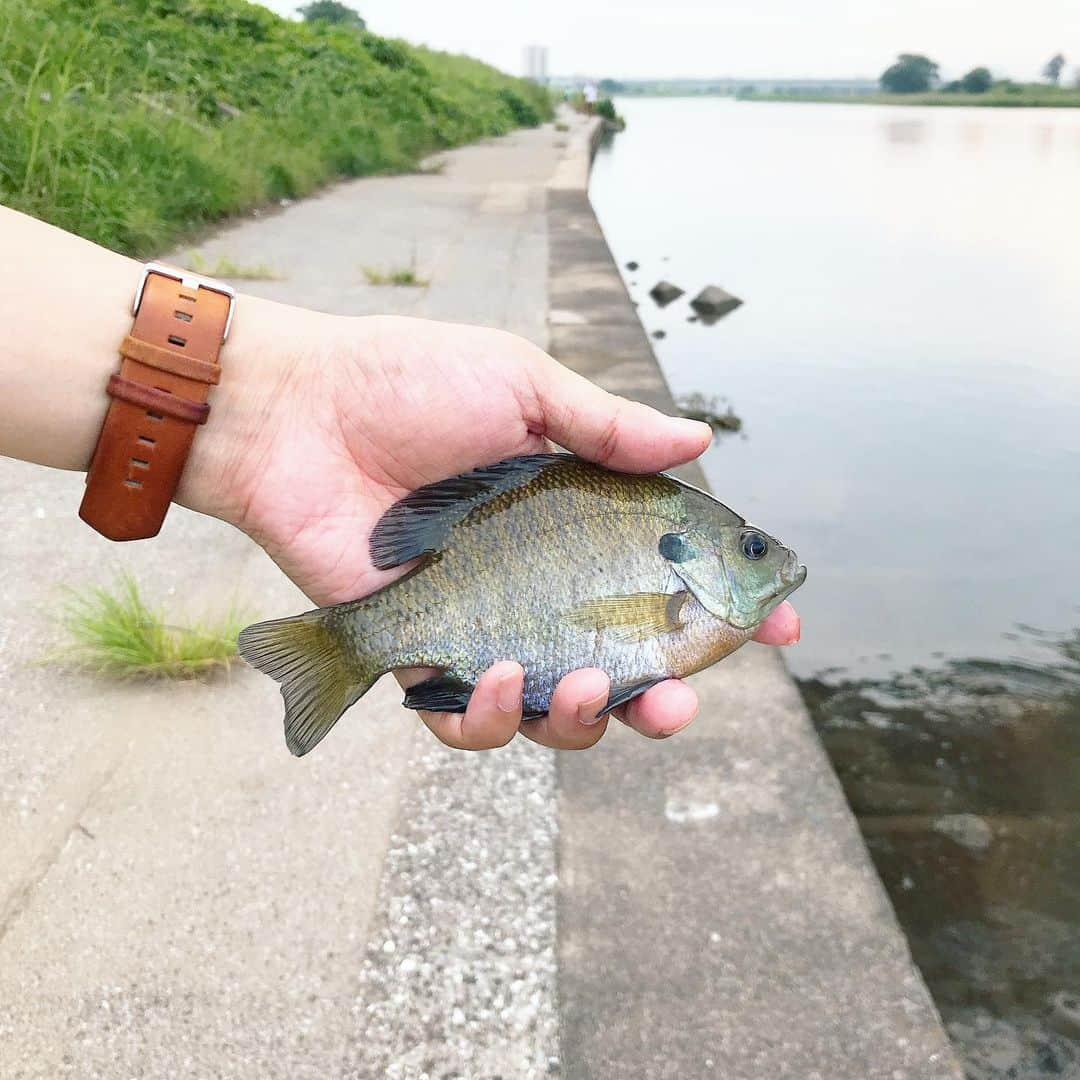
point(741, 38)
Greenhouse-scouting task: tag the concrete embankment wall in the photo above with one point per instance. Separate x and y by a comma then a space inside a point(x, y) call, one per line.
point(718, 912)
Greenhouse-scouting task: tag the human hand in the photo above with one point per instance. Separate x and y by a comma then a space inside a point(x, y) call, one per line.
point(322, 422)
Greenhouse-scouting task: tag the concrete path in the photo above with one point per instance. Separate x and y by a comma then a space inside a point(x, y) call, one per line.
point(179, 897)
point(719, 914)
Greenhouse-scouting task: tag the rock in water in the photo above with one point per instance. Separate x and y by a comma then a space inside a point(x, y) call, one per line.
point(663, 292)
point(968, 830)
point(714, 302)
point(1065, 1013)
point(699, 407)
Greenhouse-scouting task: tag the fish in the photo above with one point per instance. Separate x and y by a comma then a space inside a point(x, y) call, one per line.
point(546, 559)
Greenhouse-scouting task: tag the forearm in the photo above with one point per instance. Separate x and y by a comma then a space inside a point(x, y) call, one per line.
point(65, 305)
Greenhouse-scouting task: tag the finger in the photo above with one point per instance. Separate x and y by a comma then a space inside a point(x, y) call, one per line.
point(493, 713)
point(571, 722)
point(662, 710)
point(782, 627)
point(602, 427)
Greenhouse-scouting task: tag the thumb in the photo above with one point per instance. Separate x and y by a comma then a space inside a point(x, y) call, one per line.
point(608, 429)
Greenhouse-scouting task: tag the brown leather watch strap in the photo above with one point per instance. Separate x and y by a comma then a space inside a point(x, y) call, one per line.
point(168, 364)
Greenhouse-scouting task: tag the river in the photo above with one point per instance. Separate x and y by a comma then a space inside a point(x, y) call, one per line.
point(906, 367)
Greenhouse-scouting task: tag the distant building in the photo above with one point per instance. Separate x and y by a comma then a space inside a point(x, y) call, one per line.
point(536, 63)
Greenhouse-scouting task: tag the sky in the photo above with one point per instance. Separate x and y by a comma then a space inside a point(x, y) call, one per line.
point(738, 38)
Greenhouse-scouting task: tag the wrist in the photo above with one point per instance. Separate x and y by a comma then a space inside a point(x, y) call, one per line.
point(270, 346)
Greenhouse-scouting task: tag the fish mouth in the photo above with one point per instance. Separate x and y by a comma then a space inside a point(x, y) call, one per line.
point(792, 575)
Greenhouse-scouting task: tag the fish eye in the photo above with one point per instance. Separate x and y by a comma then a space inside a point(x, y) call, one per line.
point(754, 546)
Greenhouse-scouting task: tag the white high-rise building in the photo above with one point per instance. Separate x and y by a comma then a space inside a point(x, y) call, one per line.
point(536, 63)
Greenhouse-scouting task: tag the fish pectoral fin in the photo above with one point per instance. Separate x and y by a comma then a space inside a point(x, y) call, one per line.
point(620, 695)
point(440, 693)
point(635, 617)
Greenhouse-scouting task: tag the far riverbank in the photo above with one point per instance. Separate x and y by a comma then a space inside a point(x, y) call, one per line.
point(1026, 97)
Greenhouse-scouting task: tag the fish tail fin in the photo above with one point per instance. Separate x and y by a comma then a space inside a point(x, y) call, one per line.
point(320, 677)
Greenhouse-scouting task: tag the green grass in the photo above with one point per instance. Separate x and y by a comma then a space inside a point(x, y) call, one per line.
point(226, 268)
point(405, 275)
point(134, 122)
point(1017, 96)
point(117, 634)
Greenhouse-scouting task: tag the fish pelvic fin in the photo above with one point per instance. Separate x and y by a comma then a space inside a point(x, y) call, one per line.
point(319, 678)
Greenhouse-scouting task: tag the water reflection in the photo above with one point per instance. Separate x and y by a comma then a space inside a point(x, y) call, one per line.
point(966, 781)
point(902, 132)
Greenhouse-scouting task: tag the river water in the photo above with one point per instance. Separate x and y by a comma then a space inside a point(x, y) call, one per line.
point(906, 366)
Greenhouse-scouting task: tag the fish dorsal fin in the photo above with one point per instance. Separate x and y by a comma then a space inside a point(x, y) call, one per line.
point(419, 523)
point(635, 617)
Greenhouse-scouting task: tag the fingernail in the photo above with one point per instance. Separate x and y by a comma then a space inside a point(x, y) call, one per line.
point(588, 712)
point(675, 730)
point(699, 426)
point(508, 692)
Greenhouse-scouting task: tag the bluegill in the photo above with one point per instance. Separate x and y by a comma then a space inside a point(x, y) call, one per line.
point(545, 559)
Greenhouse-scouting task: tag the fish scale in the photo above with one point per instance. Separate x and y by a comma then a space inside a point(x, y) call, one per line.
point(548, 560)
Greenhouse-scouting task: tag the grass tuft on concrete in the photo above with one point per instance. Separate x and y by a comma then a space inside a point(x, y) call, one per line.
point(226, 268)
point(115, 633)
point(405, 275)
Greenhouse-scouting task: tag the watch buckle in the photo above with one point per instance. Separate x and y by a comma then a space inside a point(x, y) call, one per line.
point(189, 280)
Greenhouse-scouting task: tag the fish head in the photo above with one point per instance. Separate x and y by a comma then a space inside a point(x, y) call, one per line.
point(736, 571)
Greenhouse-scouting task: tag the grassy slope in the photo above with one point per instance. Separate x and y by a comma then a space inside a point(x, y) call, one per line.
point(1032, 96)
point(131, 121)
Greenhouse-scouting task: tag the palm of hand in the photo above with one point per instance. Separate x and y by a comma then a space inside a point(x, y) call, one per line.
point(375, 425)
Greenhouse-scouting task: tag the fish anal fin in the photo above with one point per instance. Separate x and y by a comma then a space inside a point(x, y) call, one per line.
point(620, 695)
point(634, 617)
point(441, 693)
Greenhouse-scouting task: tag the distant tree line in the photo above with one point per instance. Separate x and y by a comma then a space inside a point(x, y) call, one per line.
point(914, 73)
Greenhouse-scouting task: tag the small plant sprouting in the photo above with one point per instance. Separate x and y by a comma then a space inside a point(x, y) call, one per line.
point(226, 268)
point(401, 275)
point(115, 633)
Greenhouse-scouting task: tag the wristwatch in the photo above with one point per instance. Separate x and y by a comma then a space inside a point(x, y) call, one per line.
point(168, 363)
